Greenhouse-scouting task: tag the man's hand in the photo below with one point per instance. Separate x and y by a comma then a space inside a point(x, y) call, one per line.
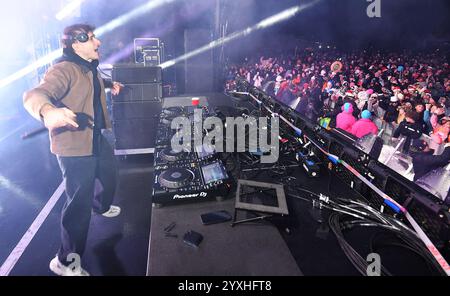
point(58, 117)
point(116, 88)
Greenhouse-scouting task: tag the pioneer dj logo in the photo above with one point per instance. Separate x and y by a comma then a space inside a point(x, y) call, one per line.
point(242, 134)
point(193, 195)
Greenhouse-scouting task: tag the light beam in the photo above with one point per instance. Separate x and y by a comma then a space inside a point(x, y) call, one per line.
point(120, 21)
point(68, 9)
point(267, 22)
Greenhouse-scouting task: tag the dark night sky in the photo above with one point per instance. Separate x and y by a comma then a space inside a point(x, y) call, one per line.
point(403, 23)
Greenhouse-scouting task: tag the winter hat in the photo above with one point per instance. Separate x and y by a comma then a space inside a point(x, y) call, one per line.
point(366, 114)
point(369, 91)
point(349, 93)
point(396, 88)
point(411, 88)
point(347, 108)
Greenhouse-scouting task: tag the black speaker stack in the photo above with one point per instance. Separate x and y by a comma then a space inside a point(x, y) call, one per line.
point(136, 109)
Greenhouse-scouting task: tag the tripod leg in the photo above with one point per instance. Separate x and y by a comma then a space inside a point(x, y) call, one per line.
point(234, 217)
point(250, 219)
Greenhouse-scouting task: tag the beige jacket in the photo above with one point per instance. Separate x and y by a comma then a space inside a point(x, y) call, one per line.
point(69, 85)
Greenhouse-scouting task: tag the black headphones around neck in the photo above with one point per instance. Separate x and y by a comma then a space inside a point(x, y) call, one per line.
point(81, 37)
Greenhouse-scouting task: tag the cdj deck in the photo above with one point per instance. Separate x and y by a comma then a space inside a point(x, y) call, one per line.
point(189, 175)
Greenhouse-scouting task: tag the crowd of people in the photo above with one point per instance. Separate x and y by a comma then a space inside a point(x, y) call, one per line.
point(391, 95)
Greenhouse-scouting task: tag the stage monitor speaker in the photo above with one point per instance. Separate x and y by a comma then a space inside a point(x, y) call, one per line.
point(134, 133)
point(136, 74)
point(139, 93)
point(198, 72)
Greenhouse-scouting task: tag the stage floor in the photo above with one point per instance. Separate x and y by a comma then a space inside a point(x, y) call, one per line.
point(248, 249)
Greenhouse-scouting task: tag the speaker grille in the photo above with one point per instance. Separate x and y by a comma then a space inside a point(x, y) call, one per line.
point(135, 110)
point(136, 74)
point(134, 133)
point(139, 93)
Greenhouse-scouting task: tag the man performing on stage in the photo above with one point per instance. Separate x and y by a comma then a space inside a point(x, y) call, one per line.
point(71, 101)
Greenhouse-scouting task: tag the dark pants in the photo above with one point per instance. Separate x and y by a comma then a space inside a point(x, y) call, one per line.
point(79, 175)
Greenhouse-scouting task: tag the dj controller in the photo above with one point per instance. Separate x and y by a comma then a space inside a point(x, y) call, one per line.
point(188, 175)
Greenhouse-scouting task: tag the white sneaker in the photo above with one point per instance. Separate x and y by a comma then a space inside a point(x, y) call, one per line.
point(112, 212)
point(60, 269)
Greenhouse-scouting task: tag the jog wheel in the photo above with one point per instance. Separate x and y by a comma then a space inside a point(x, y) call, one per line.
point(169, 155)
point(173, 111)
point(175, 178)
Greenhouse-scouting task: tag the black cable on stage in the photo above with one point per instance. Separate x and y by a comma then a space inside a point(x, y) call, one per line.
point(366, 217)
point(375, 245)
point(358, 262)
point(409, 239)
